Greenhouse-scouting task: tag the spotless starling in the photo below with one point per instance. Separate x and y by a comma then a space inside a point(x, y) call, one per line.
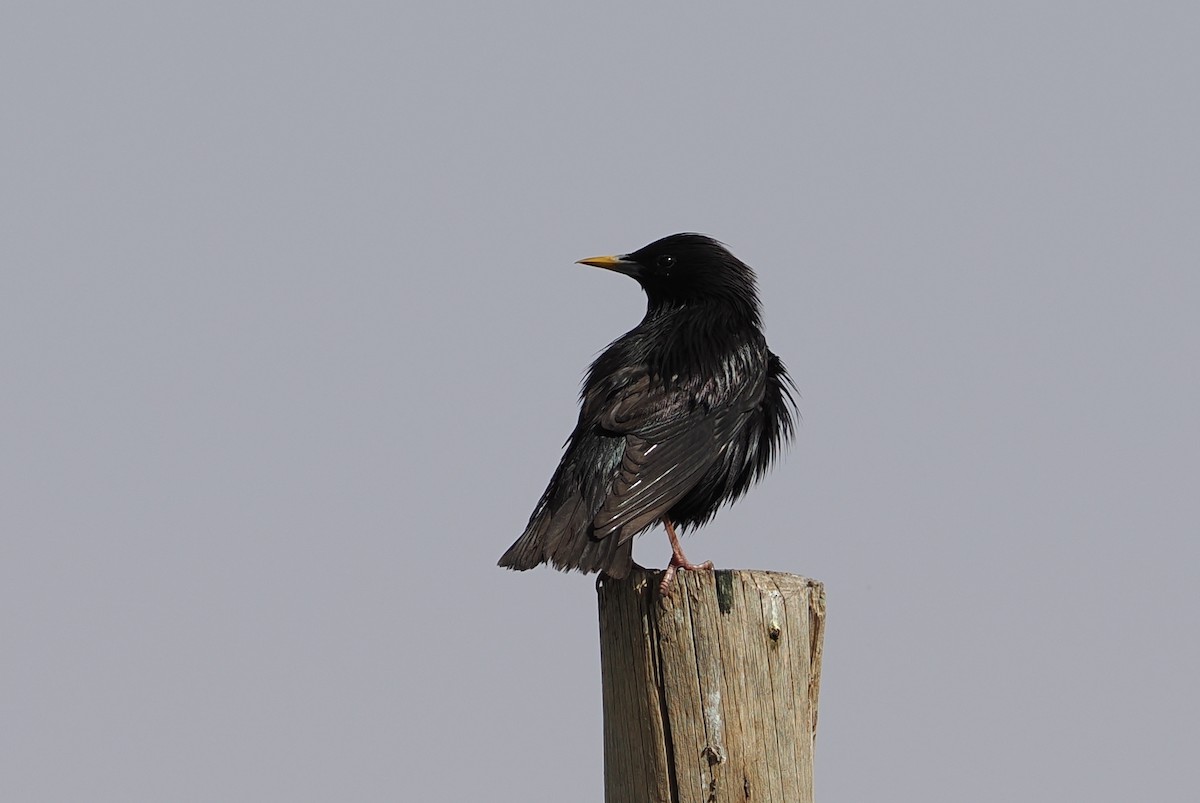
point(678, 416)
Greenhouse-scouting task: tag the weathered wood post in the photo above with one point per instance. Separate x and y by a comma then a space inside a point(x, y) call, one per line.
point(710, 693)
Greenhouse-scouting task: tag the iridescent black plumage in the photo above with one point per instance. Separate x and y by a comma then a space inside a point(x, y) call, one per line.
point(678, 416)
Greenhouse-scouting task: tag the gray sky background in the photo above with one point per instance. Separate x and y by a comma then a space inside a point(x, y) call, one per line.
point(291, 337)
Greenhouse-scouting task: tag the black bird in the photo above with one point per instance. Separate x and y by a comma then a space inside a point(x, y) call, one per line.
point(678, 416)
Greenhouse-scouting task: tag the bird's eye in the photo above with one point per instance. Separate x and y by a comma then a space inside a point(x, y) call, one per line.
point(666, 261)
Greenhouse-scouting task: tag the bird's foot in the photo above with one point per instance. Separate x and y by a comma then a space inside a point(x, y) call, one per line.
point(679, 562)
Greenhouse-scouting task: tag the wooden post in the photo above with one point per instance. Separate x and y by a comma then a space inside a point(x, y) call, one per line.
point(710, 693)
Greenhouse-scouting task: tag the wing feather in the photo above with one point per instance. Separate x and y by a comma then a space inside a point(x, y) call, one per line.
point(671, 441)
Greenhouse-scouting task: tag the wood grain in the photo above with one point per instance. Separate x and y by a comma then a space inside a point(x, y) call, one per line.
point(710, 693)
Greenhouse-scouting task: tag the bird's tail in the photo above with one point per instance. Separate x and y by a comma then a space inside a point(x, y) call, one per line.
point(562, 537)
point(526, 553)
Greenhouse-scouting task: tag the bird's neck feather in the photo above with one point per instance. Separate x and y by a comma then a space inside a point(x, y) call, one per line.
point(696, 337)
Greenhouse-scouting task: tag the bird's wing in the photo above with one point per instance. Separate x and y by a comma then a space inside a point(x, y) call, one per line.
point(671, 440)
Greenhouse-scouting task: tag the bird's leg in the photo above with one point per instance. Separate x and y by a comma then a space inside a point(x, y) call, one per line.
point(678, 559)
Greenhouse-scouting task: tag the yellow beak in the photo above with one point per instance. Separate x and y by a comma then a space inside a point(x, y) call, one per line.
point(601, 262)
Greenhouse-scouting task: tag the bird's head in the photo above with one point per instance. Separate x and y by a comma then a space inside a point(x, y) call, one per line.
point(685, 269)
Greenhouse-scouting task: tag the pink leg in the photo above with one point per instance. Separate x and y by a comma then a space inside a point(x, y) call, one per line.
point(678, 559)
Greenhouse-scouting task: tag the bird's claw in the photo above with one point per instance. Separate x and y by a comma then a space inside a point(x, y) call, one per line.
point(664, 587)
